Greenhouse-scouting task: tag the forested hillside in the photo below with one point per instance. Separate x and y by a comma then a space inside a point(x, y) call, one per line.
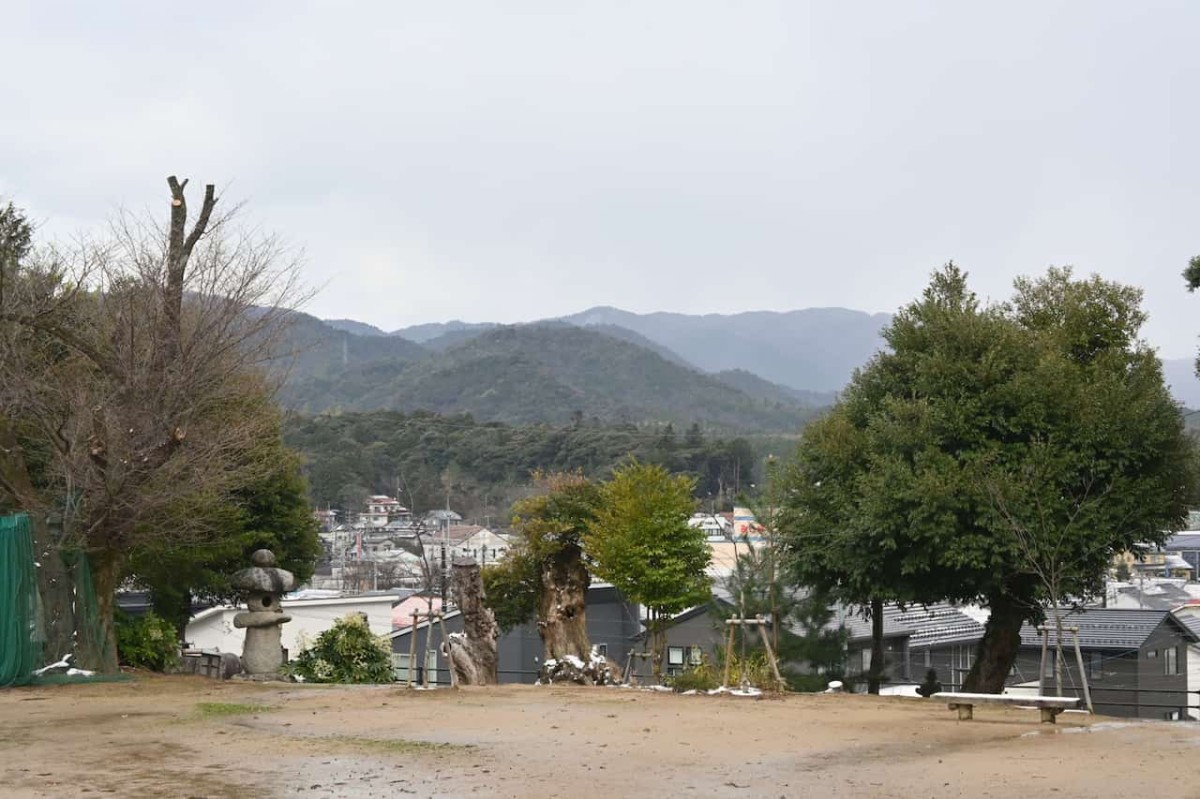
point(480, 469)
point(813, 349)
point(550, 373)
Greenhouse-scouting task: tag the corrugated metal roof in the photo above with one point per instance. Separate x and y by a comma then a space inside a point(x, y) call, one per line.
point(930, 625)
point(1103, 628)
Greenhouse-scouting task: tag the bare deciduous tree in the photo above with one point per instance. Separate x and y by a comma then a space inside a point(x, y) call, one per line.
point(133, 383)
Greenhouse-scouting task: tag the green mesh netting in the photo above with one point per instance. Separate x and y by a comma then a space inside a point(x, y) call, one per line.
point(20, 641)
point(90, 642)
point(22, 621)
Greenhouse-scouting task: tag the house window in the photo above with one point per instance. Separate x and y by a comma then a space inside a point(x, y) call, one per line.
point(865, 655)
point(1095, 665)
point(1171, 661)
point(674, 656)
point(600, 649)
point(695, 656)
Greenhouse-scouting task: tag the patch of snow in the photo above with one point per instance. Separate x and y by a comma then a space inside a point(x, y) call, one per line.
point(735, 691)
point(899, 690)
point(65, 663)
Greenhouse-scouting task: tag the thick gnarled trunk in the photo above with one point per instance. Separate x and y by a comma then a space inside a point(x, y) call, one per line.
point(562, 606)
point(998, 649)
point(472, 653)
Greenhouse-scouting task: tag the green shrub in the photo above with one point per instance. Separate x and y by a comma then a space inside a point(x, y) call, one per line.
point(346, 652)
point(698, 678)
point(147, 642)
point(809, 683)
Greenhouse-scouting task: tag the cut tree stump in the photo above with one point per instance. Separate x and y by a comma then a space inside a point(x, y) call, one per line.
point(472, 653)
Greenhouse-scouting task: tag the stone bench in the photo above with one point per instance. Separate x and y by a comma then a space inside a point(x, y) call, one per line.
point(1050, 706)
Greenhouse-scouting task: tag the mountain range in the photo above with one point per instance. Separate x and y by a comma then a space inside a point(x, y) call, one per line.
point(813, 349)
point(756, 371)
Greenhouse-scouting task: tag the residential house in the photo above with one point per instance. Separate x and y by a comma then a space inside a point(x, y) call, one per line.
point(1136, 661)
point(612, 623)
point(1177, 557)
point(1189, 616)
point(696, 635)
point(1186, 547)
point(715, 526)
point(915, 639)
point(464, 541)
point(382, 510)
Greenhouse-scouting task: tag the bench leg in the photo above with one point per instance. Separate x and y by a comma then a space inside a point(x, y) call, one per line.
point(966, 712)
point(1049, 714)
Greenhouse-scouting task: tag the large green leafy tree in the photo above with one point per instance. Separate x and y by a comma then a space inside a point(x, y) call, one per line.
point(1191, 278)
point(640, 542)
point(988, 444)
point(272, 512)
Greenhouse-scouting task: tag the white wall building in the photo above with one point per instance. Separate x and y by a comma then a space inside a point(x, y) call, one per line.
point(465, 541)
point(213, 629)
point(381, 509)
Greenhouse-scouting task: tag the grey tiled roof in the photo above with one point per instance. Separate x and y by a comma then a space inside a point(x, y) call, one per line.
point(1189, 621)
point(1103, 628)
point(930, 625)
point(1185, 540)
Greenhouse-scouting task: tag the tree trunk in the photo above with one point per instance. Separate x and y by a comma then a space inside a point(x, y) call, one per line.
point(101, 654)
point(998, 649)
point(875, 673)
point(472, 653)
point(657, 644)
point(562, 606)
point(1058, 652)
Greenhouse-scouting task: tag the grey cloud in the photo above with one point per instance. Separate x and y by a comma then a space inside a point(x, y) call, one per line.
point(511, 161)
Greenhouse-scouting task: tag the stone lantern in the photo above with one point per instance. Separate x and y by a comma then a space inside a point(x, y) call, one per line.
point(264, 587)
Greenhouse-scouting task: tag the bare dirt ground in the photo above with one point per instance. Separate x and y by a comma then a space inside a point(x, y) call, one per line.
point(188, 737)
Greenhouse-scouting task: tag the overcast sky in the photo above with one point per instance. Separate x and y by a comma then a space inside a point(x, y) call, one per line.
point(442, 160)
